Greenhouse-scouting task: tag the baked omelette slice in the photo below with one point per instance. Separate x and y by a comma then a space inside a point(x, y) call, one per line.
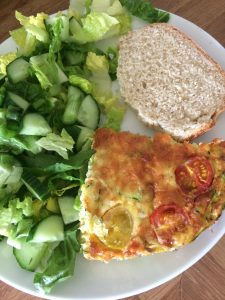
point(146, 195)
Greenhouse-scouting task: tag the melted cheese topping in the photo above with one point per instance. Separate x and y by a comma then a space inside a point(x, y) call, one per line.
point(136, 174)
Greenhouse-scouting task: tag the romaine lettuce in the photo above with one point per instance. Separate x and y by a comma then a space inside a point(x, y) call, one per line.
point(34, 25)
point(145, 10)
point(84, 84)
point(102, 90)
point(59, 144)
point(47, 71)
point(5, 59)
point(26, 41)
point(79, 8)
point(113, 8)
point(60, 265)
point(96, 26)
point(14, 213)
point(102, 85)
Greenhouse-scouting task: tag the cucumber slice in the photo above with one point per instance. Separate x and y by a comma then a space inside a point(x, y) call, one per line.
point(61, 75)
point(66, 205)
point(19, 101)
point(89, 113)
point(84, 135)
point(51, 229)
point(73, 105)
point(18, 70)
point(87, 145)
point(35, 186)
point(35, 124)
point(30, 255)
point(15, 243)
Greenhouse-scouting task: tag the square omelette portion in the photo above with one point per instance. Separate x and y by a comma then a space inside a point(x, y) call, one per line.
point(135, 200)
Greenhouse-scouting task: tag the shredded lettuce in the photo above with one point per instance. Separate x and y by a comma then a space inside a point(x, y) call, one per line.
point(102, 85)
point(60, 265)
point(47, 71)
point(14, 213)
point(34, 25)
point(10, 170)
point(31, 33)
point(58, 28)
point(145, 10)
point(98, 65)
point(26, 41)
point(5, 59)
point(114, 117)
point(125, 23)
point(112, 8)
point(57, 143)
point(84, 84)
point(96, 26)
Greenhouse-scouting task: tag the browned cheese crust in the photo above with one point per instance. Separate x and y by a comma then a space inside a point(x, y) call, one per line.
point(133, 175)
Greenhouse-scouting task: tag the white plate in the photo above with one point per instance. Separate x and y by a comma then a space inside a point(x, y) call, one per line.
point(96, 280)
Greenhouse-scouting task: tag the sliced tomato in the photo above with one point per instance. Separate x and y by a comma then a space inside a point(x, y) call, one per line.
point(166, 220)
point(119, 223)
point(195, 176)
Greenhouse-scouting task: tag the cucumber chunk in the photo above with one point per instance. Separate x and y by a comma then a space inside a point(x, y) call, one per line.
point(19, 101)
point(69, 213)
point(18, 70)
point(51, 229)
point(89, 113)
point(35, 124)
point(72, 106)
point(30, 255)
point(84, 135)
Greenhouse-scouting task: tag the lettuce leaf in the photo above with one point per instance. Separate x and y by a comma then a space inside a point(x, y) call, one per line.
point(31, 34)
point(60, 265)
point(26, 41)
point(34, 25)
point(112, 8)
point(79, 8)
point(125, 23)
point(114, 117)
point(84, 84)
point(47, 71)
point(96, 26)
point(14, 213)
point(58, 28)
point(98, 65)
point(145, 11)
point(115, 9)
point(59, 144)
point(102, 83)
point(5, 59)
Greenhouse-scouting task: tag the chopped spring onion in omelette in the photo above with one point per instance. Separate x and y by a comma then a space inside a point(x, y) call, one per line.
point(54, 90)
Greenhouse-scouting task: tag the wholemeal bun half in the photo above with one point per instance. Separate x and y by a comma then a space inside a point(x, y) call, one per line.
point(170, 81)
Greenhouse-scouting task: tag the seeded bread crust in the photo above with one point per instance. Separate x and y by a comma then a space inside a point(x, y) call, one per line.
point(170, 81)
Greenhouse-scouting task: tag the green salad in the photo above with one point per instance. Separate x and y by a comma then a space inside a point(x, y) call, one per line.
point(55, 91)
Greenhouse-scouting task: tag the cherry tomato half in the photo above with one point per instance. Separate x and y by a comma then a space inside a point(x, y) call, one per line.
point(166, 220)
point(195, 176)
point(119, 223)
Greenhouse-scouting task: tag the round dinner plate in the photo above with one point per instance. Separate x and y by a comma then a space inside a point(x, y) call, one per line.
point(119, 279)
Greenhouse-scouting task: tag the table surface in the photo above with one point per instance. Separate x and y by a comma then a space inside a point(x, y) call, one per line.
point(205, 280)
